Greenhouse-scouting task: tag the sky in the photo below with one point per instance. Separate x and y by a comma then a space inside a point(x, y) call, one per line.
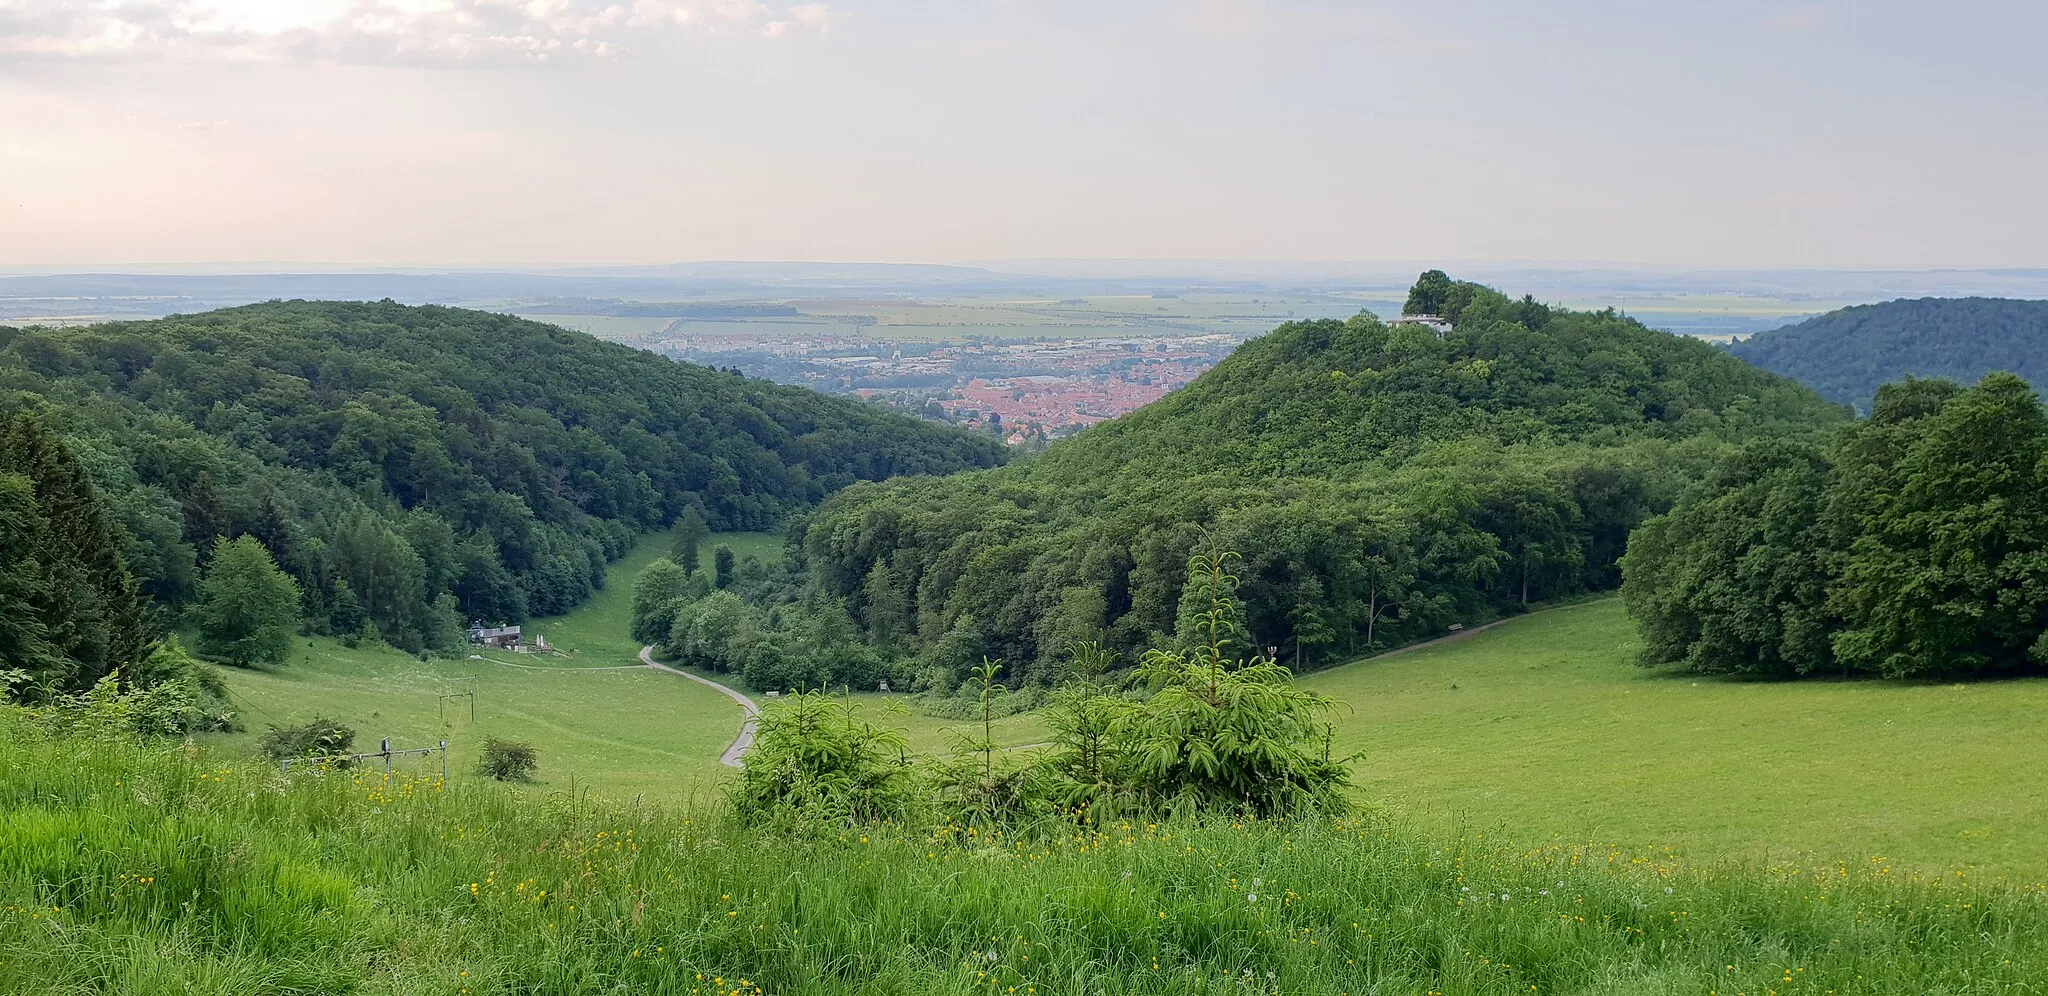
point(600, 132)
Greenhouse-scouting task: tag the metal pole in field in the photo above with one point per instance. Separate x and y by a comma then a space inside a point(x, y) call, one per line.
point(444, 762)
point(385, 749)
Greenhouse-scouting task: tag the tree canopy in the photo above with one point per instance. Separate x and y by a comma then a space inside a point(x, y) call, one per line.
point(248, 609)
point(1912, 544)
point(1846, 354)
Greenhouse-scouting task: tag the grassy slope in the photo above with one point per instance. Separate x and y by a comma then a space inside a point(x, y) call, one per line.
point(1551, 731)
point(621, 733)
point(144, 869)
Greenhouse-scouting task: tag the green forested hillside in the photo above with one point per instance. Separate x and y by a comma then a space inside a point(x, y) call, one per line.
point(1846, 354)
point(1382, 482)
point(414, 467)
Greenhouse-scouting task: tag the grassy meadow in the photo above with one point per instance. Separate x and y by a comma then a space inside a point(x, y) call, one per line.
point(1543, 818)
point(618, 732)
point(1545, 730)
point(601, 722)
point(1541, 730)
point(155, 869)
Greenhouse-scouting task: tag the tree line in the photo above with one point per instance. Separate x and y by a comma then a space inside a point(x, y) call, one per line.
point(1206, 725)
point(1912, 544)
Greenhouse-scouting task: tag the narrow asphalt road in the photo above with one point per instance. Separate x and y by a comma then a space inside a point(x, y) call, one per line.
point(738, 750)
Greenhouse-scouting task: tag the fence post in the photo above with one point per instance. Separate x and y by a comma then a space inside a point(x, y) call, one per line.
point(444, 763)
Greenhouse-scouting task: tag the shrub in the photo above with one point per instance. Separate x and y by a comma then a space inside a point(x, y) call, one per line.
point(508, 760)
point(316, 736)
point(813, 758)
point(179, 694)
point(977, 784)
point(772, 664)
point(1219, 736)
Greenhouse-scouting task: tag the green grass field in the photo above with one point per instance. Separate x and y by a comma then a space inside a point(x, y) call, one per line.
point(141, 867)
point(621, 733)
point(1545, 729)
point(1542, 729)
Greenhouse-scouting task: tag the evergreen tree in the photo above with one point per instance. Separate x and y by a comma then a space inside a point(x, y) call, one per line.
point(206, 519)
point(691, 532)
point(1224, 735)
point(346, 616)
point(247, 607)
point(93, 618)
point(722, 565)
point(888, 610)
point(24, 640)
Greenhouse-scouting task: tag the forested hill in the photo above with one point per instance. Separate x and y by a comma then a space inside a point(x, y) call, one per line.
point(1381, 481)
point(432, 464)
point(1846, 354)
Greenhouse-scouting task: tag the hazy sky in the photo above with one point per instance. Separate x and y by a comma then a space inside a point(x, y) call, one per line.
point(626, 131)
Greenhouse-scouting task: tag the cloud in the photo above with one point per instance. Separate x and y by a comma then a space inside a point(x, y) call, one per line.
point(811, 16)
point(371, 30)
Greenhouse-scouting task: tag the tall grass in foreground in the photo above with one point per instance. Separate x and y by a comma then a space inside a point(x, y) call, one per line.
point(153, 869)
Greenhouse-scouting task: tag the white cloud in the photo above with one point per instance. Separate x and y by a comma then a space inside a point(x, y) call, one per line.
point(811, 16)
point(370, 30)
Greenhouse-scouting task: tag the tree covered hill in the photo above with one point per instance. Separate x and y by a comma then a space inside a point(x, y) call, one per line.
point(1381, 480)
point(1846, 354)
point(416, 466)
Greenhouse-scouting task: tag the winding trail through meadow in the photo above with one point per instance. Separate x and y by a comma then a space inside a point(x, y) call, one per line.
point(740, 745)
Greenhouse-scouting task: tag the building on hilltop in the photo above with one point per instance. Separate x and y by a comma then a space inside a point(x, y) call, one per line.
point(1435, 323)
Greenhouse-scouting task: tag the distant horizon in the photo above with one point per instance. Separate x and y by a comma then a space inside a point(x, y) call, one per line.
point(286, 267)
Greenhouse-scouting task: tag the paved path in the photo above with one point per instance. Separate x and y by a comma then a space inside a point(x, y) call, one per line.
point(745, 740)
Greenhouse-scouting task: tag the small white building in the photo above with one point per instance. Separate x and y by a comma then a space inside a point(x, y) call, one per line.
point(1435, 323)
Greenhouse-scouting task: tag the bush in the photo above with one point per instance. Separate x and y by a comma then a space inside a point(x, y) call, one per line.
point(813, 758)
point(175, 694)
point(508, 760)
point(965, 703)
point(317, 736)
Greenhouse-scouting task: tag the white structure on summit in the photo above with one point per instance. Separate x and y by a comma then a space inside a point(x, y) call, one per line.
point(1436, 323)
